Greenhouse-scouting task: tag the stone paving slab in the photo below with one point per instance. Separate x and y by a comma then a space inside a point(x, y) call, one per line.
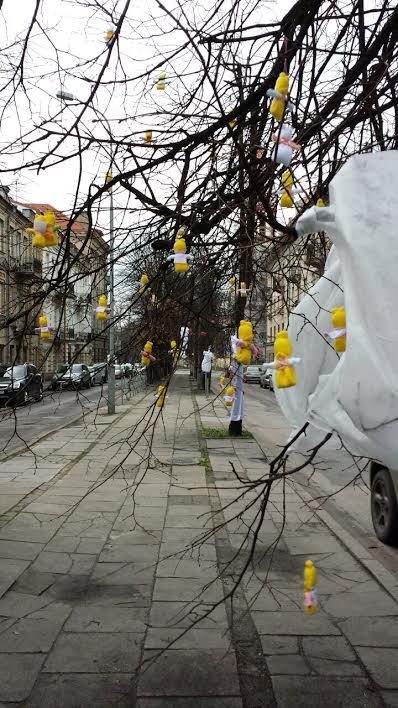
point(83, 690)
point(87, 652)
point(186, 702)
point(190, 672)
point(317, 692)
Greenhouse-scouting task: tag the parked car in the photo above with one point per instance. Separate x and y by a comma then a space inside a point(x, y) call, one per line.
point(118, 371)
point(19, 384)
point(99, 374)
point(71, 376)
point(252, 374)
point(266, 380)
point(383, 503)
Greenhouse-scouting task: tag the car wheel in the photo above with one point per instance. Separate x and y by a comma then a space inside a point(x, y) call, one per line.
point(39, 397)
point(384, 508)
point(25, 398)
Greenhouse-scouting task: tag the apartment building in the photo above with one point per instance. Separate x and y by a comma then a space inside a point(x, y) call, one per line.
point(20, 283)
point(75, 274)
point(285, 271)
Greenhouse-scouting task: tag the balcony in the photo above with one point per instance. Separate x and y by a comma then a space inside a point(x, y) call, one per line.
point(62, 292)
point(315, 256)
point(30, 268)
point(277, 286)
point(295, 275)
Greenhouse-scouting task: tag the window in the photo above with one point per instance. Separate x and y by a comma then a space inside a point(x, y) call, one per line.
point(2, 239)
point(2, 298)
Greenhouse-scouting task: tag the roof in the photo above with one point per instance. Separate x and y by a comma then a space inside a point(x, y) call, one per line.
point(79, 226)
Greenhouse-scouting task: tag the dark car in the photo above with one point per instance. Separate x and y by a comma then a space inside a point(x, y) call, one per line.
point(99, 373)
point(252, 374)
point(20, 384)
point(383, 503)
point(71, 376)
point(266, 380)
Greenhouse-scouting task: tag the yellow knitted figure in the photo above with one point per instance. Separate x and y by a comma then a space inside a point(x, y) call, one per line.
point(310, 592)
point(101, 309)
point(43, 327)
point(339, 325)
point(245, 340)
point(146, 354)
point(160, 396)
point(285, 375)
point(180, 257)
point(279, 96)
point(161, 82)
point(144, 280)
point(229, 396)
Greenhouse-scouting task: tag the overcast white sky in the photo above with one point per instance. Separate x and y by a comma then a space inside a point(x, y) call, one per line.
point(70, 27)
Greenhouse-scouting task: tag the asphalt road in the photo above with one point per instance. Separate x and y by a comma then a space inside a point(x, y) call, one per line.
point(26, 423)
point(345, 499)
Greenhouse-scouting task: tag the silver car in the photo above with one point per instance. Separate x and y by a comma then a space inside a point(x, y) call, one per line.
point(252, 374)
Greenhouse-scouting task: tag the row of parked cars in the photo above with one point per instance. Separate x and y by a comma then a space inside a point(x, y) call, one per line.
point(259, 374)
point(22, 383)
point(78, 376)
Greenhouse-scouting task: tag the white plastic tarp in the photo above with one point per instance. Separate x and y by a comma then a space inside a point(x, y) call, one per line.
point(354, 395)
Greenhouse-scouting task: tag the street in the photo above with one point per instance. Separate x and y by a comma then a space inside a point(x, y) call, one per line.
point(26, 423)
point(350, 505)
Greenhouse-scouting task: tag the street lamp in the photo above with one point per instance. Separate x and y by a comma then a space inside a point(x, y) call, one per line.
point(66, 96)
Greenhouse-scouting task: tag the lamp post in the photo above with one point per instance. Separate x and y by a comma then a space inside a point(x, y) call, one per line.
point(65, 96)
point(111, 329)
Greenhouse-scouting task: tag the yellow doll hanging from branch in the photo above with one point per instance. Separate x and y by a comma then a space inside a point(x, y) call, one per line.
point(146, 354)
point(45, 230)
point(160, 84)
point(102, 309)
point(181, 258)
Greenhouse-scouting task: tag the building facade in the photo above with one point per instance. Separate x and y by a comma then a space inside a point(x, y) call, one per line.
point(74, 275)
point(20, 284)
point(285, 271)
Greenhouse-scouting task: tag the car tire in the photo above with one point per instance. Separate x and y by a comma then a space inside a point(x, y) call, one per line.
point(40, 396)
point(384, 508)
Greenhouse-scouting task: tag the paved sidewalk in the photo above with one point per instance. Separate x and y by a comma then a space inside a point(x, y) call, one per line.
point(96, 584)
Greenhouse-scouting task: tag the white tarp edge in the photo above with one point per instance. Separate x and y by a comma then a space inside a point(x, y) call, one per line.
point(355, 394)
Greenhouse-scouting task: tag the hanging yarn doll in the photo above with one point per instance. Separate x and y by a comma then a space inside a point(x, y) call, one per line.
point(338, 333)
point(229, 395)
point(44, 230)
point(161, 82)
point(232, 284)
point(284, 361)
point(148, 139)
point(243, 290)
point(43, 328)
point(180, 257)
point(101, 311)
point(286, 200)
point(160, 396)
point(146, 354)
point(310, 591)
point(173, 351)
point(144, 280)
point(243, 343)
point(280, 104)
point(285, 147)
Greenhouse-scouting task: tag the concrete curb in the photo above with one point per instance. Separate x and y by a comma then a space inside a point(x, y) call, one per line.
point(28, 445)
